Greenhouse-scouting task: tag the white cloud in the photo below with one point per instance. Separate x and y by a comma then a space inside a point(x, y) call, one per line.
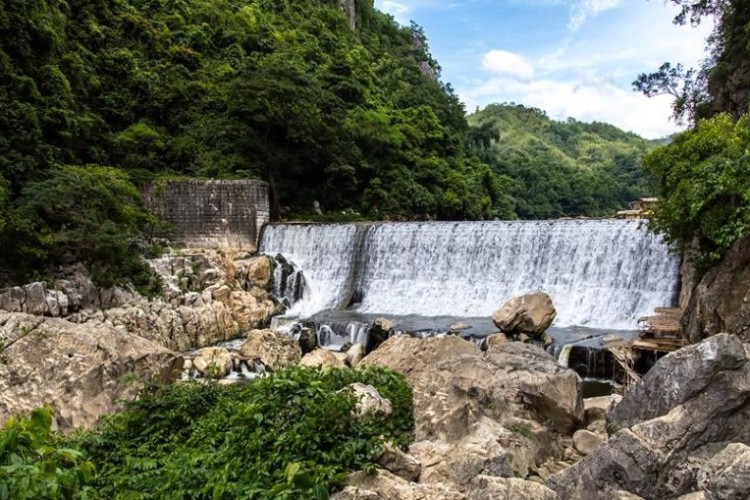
point(398, 10)
point(502, 62)
point(581, 10)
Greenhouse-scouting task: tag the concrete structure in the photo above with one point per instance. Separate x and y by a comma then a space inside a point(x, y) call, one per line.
point(212, 213)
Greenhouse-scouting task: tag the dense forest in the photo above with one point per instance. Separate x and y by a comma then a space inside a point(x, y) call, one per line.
point(98, 97)
point(553, 168)
point(703, 176)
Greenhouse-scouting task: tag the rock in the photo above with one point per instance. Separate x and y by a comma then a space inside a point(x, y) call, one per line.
point(494, 340)
point(598, 408)
point(492, 413)
point(274, 349)
point(385, 485)
point(727, 475)
point(721, 301)
point(489, 487)
point(379, 332)
point(586, 441)
point(399, 463)
point(530, 314)
point(213, 362)
point(84, 371)
point(36, 299)
point(369, 401)
point(681, 376)
point(307, 340)
point(459, 326)
point(260, 271)
point(355, 354)
point(321, 357)
point(690, 405)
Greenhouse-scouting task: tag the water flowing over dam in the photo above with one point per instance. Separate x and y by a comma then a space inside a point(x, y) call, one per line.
point(600, 273)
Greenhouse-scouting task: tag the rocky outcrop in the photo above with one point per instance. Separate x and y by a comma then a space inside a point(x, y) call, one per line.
point(528, 314)
point(725, 476)
point(350, 9)
point(692, 404)
point(274, 349)
point(82, 371)
point(721, 301)
point(207, 297)
point(496, 414)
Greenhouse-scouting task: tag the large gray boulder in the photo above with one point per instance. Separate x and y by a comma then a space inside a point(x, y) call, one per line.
point(83, 371)
point(499, 413)
point(531, 314)
point(690, 405)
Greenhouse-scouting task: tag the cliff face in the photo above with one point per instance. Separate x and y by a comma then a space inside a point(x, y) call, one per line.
point(350, 8)
point(721, 301)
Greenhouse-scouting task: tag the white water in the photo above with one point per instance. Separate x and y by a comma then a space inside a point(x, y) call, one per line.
point(600, 273)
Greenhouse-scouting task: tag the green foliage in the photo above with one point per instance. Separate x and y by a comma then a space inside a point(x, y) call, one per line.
point(552, 169)
point(34, 466)
point(88, 214)
point(703, 179)
point(289, 435)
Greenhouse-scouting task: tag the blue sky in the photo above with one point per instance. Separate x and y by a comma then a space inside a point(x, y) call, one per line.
point(571, 58)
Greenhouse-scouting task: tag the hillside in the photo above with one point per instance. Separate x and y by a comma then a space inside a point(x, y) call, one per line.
point(556, 168)
point(97, 97)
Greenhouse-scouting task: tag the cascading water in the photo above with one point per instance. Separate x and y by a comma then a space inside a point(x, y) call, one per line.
point(600, 273)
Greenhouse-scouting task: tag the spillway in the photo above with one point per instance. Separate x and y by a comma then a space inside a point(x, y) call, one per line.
point(600, 273)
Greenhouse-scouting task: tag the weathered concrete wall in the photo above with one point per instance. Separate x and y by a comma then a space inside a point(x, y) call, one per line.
point(212, 213)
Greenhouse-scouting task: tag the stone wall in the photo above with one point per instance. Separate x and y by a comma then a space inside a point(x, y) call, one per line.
point(212, 213)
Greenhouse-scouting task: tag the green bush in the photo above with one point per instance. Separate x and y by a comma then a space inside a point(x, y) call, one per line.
point(289, 435)
point(704, 185)
point(33, 466)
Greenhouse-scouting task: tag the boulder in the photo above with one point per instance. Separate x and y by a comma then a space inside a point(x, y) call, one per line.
point(83, 371)
point(369, 400)
point(597, 408)
point(259, 271)
point(721, 301)
point(213, 362)
point(727, 475)
point(321, 357)
point(585, 442)
point(355, 354)
point(489, 487)
point(690, 405)
point(528, 314)
point(379, 332)
point(494, 339)
point(307, 340)
point(384, 484)
point(396, 461)
point(274, 349)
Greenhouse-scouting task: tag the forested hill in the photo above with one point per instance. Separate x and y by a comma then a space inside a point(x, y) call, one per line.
point(556, 168)
point(97, 95)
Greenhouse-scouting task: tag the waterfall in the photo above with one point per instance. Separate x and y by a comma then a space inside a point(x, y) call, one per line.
point(600, 273)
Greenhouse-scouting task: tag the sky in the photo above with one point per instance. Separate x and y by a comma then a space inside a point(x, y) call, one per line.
point(570, 58)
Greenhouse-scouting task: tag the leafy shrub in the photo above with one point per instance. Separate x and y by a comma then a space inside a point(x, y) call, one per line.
point(32, 466)
point(704, 185)
point(290, 435)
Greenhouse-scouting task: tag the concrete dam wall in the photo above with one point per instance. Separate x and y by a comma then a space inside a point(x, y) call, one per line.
point(212, 213)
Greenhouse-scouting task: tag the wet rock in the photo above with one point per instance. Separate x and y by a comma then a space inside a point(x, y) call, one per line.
point(528, 314)
point(307, 340)
point(379, 332)
point(274, 349)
